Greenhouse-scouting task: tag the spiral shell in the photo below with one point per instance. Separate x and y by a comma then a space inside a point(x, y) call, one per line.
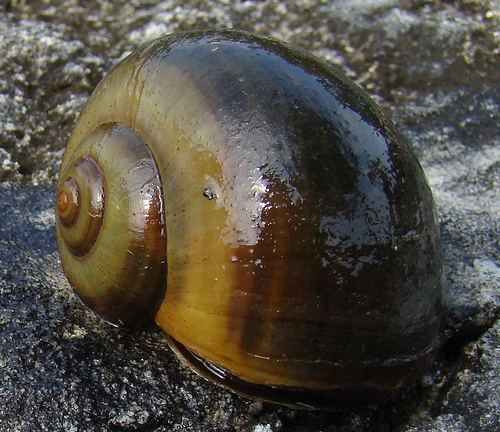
point(262, 210)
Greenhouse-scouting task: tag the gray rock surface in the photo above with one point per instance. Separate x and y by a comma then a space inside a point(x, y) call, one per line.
point(434, 66)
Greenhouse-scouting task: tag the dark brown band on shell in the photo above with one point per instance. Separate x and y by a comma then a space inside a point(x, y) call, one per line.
point(342, 397)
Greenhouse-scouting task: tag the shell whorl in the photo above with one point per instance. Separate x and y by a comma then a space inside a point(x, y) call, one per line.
point(112, 233)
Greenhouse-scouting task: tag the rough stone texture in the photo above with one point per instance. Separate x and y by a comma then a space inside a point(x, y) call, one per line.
point(434, 66)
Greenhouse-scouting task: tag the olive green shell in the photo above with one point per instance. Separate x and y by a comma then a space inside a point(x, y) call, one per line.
point(287, 241)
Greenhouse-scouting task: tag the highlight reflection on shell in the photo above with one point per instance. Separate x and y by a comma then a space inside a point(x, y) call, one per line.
point(260, 207)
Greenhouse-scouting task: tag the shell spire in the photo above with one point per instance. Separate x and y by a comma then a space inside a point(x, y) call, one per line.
point(111, 229)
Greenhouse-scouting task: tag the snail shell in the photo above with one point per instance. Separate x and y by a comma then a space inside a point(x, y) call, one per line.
point(261, 209)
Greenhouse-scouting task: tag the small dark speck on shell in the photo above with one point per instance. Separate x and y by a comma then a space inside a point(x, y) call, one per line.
point(207, 193)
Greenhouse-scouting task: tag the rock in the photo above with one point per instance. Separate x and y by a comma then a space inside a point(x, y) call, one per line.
point(471, 401)
point(432, 65)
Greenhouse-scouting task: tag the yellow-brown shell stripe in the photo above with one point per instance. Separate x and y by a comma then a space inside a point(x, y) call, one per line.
point(122, 277)
point(176, 123)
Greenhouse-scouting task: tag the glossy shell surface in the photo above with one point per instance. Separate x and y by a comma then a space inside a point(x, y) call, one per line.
point(301, 258)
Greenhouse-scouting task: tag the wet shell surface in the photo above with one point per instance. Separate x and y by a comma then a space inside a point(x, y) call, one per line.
point(262, 210)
